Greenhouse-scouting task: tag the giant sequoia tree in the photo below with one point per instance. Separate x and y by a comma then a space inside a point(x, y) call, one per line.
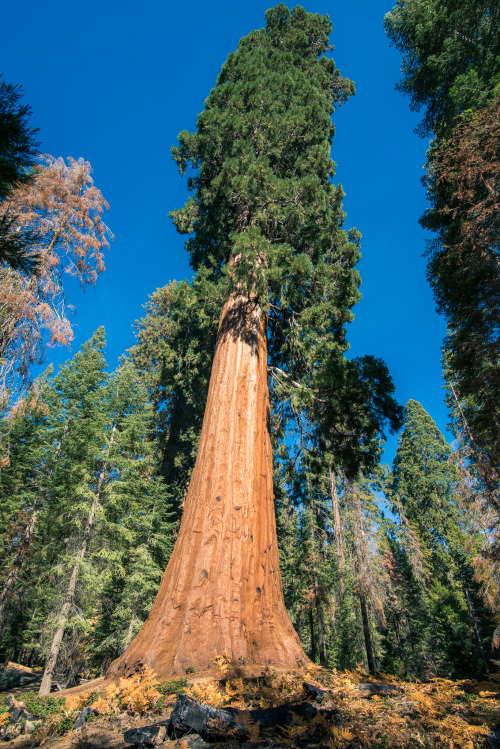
point(266, 223)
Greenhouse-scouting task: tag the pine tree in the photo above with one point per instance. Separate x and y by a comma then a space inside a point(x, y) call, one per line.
point(23, 485)
point(80, 473)
point(139, 522)
point(438, 542)
point(173, 354)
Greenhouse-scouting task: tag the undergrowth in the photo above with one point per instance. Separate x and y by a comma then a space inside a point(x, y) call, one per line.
point(440, 713)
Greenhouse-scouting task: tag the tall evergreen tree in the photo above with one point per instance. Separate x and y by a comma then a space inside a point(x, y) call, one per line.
point(173, 354)
point(138, 522)
point(266, 219)
point(23, 485)
point(451, 69)
point(18, 151)
point(80, 474)
point(447, 632)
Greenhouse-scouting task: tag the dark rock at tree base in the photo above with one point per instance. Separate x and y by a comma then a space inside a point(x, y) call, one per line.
point(82, 717)
point(209, 722)
point(194, 742)
point(370, 689)
point(493, 739)
point(146, 735)
point(214, 724)
point(315, 692)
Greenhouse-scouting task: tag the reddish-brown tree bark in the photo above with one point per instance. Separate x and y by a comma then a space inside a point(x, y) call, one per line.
point(222, 590)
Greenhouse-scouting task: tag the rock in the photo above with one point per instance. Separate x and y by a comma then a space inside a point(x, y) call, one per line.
point(209, 722)
point(11, 732)
point(214, 724)
point(193, 742)
point(379, 688)
point(82, 717)
point(315, 692)
point(493, 739)
point(30, 726)
point(146, 735)
point(20, 713)
point(17, 710)
point(161, 734)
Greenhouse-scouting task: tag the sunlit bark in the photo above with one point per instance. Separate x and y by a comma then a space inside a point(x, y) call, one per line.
point(222, 590)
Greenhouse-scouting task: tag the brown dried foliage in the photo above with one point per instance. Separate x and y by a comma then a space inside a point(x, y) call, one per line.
point(469, 163)
point(438, 713)
point(61, 211)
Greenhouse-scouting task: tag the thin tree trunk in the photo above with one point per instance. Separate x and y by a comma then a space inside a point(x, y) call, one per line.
point(66, 607)
point(222, 589)
point(362, 561)
point(313, 635)
point(319, 618)
point(366, 631)
point(397, 632)
point(133, 619)
point(337, 525)
point(68, 599)
point(476, 630)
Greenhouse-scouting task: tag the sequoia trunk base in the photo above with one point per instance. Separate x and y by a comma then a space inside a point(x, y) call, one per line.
point(222, 590)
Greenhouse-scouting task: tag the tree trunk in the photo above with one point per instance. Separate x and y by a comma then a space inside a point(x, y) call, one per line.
point(319, 617)
point(337, 525)
point(479, 639)
point(366, 631)
point(66, 607)
point(313, 635)
point(222, 590)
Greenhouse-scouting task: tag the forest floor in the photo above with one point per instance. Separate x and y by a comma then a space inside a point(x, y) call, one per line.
point(351, 711)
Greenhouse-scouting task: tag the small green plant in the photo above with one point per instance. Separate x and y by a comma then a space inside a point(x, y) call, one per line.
point(65, 724)
point(176, 686)
point(471, 697)
point(40, 707)
point(190, 669)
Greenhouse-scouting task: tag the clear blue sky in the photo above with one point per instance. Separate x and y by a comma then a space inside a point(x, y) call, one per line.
point(115, 82)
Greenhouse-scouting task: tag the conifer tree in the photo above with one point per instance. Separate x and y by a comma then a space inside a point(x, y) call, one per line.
point(173, 354)
point(265, 218)
point(438, 544)
point(139, 522)
point(266, 222)
point(88, 523)
point(451, 70)
point(23, 490)
point(80, 472)
point(18, 151)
